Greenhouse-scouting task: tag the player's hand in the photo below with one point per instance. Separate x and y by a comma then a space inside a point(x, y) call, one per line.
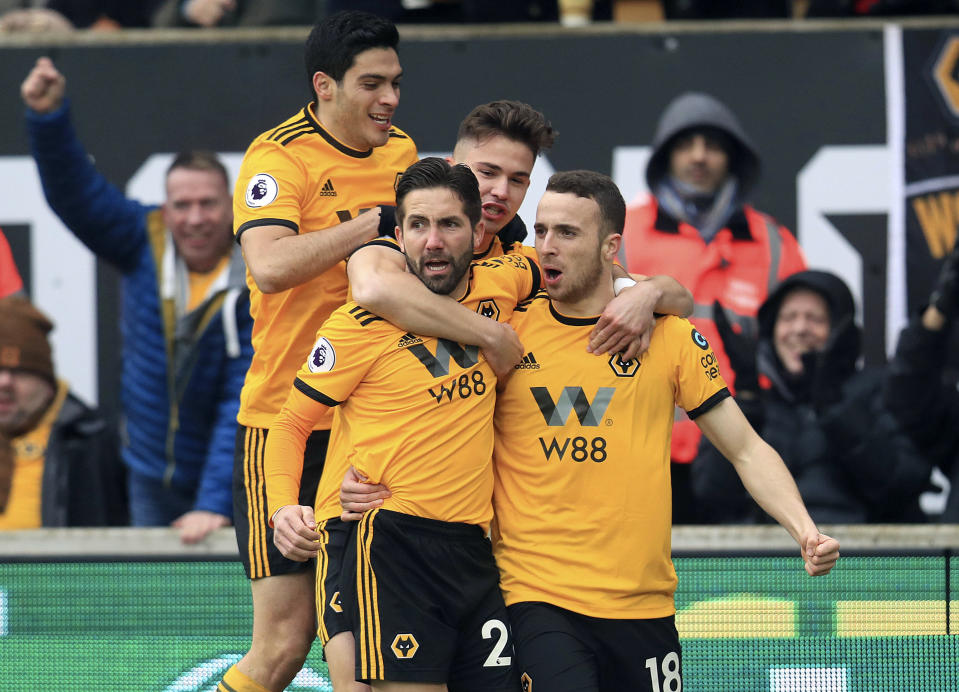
point(819, 553)
point(196, 525)
point(294, 532)
point(503, 350)
point(44, 87)
point(627, 322)
point(357, 496)
point(207, 13)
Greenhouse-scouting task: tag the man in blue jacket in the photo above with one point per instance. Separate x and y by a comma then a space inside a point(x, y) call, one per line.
point(185, 313)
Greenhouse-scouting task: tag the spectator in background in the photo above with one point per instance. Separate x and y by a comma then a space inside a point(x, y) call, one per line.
point(10, 281)
point(801, 389)
point(222, 13)
point(35, 20)
point(920, 392)
point(58, 458)
point(697, 227)
point(186, 320)
point(65, 15)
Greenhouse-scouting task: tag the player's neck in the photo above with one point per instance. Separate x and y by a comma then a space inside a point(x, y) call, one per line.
point(331, 126)
point(588, 305)
point(485, 244)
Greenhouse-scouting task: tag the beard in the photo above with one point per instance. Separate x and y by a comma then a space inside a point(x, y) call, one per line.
point(582, 284)
point(442, 285)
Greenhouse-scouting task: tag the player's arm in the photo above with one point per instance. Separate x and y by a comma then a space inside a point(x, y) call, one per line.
point(768, 481)
point(293, 524)
point(626, 323)
point(380, 283)
point(279, 258)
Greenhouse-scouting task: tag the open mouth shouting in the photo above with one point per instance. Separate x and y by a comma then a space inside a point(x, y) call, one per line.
point(551, 275)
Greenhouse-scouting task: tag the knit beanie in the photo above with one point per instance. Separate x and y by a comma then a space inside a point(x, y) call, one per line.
point(23, 338)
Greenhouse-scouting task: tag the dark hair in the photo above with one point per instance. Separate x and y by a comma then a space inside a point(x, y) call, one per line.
point(512, 119)
point(597, 187)
point(199, 160)
point(335, 41)
point(434, 172)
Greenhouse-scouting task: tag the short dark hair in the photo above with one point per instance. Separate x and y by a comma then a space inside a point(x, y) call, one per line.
point(335, 41)
point(597, 187)
point(512, 119)
point(434, 172)
point(199, 160)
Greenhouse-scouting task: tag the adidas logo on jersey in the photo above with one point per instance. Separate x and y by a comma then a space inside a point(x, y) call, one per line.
point(528, 363)
point(408, 340)
point(327, 189)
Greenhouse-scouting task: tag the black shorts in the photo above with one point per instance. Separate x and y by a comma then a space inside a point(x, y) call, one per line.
point(330, 614)
point(254, 537)
point(425, 603)
point(562, 651)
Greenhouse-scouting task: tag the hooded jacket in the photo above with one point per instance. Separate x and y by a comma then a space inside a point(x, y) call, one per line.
point(181, 374)
point(696, 110)
point(849, 457)
point(739, 266)
point(924, 397)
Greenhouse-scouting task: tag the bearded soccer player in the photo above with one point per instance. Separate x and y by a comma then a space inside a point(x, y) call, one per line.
point(298, 206)
point(582, 495)
point(415, 413)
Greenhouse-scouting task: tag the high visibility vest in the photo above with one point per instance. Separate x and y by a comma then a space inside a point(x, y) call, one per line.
point(739, 267)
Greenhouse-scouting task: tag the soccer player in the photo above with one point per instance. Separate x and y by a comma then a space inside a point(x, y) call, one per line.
point(297, 209)
point(415, 413)
point(581, 460)
point(582, 499)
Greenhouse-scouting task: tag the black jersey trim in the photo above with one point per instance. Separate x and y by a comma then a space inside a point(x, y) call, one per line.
point(397, 135)
point(382, 241)
point(525, 305)
point(572, 321)
point(265, 222)
point(316, 396)
point(483, 255)
point(709, 403)
point(283, 131)
point(294, 136)
point(332, 141)
point(364, 317)
point(537, 279)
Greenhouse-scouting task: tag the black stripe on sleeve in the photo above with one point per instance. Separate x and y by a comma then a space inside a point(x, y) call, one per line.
point(320, 397)
point(537, 280)
point(364, 317)
point(265, 222)
point(281, 131)
point(708, 404)
point(379, 242)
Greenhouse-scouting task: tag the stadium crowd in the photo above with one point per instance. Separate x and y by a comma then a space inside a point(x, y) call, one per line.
point(276, 351)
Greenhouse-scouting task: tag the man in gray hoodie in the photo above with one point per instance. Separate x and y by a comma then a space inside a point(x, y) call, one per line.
point(697, 227)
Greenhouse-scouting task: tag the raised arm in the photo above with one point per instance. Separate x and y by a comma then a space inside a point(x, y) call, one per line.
point(380, 283)
point(769, 482)
point(94, 210)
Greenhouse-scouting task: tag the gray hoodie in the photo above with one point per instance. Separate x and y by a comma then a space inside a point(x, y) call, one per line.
point(694, 109)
